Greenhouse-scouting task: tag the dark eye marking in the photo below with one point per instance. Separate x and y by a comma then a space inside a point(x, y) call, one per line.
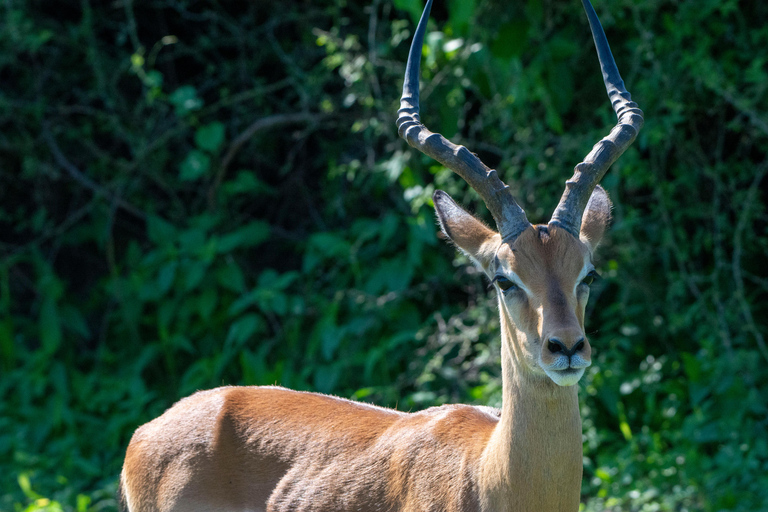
point(504, 283)
point(590, 278)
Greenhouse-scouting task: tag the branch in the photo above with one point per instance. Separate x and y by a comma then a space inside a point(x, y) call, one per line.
point(84, 180)
point(736, 260)
point(741, 105)
point(259, 125)
point(70, 221)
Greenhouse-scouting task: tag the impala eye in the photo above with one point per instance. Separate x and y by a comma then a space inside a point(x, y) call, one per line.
point(590, 278)
point(504, 283)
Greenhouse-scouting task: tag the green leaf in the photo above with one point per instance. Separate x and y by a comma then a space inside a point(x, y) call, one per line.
point(273, 301)
point(231, 277)
point(461, 12)
point(326, 333)
point(7, 346)
point(510, 40)
point(166, 276)
point(83, 503)
point(244, 328)
point(326, 245)
point(243, 302)
point(250, 235)
point(194, 166)
point(207, 301)
point(560, 78)
point(185, 100)
point(625, 430)
point(50, 325)
point(535, 10)
point(391, 275)
point(554, 121)
point(603, 475)
point(326, 378)
point(194, 272)
point(160, 231)
point(137, 61)
point(154, 78)
point(26, 486)
point(193, 241)
point(166, 312)
point(272, 279)
point(73, 320)
point(246, 182)
point(692, 367)
point(414, 7)
point(210, 137)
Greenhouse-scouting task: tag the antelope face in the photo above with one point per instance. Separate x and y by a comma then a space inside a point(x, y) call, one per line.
point(543, 284)
point(542, 279)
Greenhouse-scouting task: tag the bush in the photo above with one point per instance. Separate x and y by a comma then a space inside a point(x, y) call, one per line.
point(197, 195)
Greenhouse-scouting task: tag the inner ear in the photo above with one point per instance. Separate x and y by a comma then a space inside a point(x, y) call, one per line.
point(469, 234)
point(596, 218)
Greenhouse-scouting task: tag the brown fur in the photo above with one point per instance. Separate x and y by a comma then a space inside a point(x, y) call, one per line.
point(269, 448)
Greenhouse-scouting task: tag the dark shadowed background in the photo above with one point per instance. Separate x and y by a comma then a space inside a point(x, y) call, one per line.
point(199, 192)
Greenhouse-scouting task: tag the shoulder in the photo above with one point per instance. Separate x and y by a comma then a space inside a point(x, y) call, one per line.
point(462, 412)
point(455, 423)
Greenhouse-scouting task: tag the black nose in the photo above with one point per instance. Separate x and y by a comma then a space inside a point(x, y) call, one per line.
point(555, 345)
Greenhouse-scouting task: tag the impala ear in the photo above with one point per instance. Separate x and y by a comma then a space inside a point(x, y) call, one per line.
point(469, 234)
point(597, 216)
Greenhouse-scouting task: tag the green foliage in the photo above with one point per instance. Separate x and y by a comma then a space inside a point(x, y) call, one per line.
point(197, 194)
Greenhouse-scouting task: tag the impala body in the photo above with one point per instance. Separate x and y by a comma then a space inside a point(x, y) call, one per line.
point(273, 449)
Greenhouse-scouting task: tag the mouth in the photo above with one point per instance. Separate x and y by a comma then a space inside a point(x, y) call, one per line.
point(565, 377)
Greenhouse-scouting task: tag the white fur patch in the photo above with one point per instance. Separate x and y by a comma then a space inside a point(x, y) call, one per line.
point(565, 377)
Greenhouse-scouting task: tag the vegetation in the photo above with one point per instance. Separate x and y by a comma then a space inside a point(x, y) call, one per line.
point(205, 193)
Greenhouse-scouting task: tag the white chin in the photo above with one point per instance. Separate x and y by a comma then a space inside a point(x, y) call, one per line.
point(567, 377)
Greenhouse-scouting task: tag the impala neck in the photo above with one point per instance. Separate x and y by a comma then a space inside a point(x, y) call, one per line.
point(533, 460)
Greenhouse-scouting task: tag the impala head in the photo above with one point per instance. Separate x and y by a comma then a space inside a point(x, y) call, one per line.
point(541, 273)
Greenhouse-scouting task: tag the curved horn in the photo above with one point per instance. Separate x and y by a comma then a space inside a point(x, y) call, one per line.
point(510, 218)
point(588, 173)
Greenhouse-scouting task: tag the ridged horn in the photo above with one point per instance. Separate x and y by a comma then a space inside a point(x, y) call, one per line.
point(588, 173)
point(510, 218)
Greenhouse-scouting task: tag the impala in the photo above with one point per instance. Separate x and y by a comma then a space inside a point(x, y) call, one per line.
point(270, 448)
